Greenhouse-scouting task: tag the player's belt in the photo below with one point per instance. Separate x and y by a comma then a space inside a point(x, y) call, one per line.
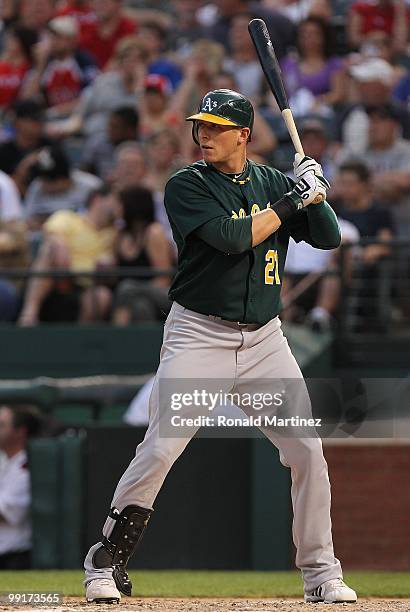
point(236, 324)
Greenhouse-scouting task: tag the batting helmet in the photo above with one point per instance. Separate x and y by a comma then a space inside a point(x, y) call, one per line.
point(224, 107)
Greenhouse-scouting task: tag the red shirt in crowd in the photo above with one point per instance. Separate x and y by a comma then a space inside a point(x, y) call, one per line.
point(63, 80)
point(102, 47)
point(11, 78)
point(375, 16)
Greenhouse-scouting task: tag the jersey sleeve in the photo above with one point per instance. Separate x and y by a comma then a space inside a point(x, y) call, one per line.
point(189, 204)
point(231, 236)
point(316, 224)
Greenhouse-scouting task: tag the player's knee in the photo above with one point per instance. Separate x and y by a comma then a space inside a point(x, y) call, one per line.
point(307, 455)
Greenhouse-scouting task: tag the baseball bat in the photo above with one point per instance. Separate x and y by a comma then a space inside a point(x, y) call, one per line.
point(270, 66)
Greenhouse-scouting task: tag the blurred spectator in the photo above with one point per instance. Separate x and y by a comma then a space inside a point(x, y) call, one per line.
point(14, 248)
point(185, 29)
point(388, 157)
point(132, 170)
point(112, 24)
point(10, 203)
point(357, 204)
point(373, 79)
point(298, 10)
point(18, 424)
point(142, 243)
point(156, 111)
point(129, 167)
point(316, 142)
point(389, 16)
point(9, 297)
point(56, 186)
point(243, 61)
point(401, 92)
point(110, 90)
point(15, 61)
point(61, 71)
point(309, 295)
point(164, 158)
point(315, 79)
point(9, 10)
point(99, 149)
point(378, 44)
point(36, 15)
point(373, 220)
point(77, 242)
point(80, 9)
point(219, 20)
point(201, 67)
point(153, 38)
point(163, 6)
point(16, 154)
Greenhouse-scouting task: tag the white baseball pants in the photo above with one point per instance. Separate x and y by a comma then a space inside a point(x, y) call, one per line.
point(199, 347)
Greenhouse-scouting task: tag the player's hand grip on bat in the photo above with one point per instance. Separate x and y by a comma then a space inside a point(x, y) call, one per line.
point(307, 189)
point(304, 164)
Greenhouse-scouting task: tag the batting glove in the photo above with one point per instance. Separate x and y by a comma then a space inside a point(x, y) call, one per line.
point(304, 164)
point(308, 189)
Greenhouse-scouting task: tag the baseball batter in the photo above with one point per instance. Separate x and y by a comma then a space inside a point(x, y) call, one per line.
point(231, 219)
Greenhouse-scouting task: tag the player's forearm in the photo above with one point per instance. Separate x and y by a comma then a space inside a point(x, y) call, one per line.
point(323, 226)
point(264, 223)
point(234, 236)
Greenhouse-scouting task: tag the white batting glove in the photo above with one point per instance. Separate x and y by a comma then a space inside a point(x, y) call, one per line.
point(304, 164)
point(308, 189)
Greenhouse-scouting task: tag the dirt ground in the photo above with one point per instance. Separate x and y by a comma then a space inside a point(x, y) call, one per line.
point(74, 604)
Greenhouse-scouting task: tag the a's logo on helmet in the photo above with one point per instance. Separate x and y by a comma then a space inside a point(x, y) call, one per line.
point(209, 105)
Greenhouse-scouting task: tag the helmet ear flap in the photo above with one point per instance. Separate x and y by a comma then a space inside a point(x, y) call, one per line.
point(195, 132)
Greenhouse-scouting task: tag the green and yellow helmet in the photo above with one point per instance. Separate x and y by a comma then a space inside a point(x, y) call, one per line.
point(224, 107)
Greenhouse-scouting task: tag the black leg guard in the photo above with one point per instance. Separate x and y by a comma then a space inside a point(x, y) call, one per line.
point(120, 546)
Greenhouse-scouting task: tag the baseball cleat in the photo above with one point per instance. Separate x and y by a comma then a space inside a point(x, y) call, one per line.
point(332, 591)
point(102, 590)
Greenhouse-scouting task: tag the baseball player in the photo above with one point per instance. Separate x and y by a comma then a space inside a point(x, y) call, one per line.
point(231, 219)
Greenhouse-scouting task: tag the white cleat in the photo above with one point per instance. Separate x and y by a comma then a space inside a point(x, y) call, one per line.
point(102, 590)
point(332, 591)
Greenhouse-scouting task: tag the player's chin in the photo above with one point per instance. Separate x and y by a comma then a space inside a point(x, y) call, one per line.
point(208, 154)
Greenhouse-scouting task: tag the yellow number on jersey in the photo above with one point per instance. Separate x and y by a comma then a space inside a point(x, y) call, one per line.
point(272, 268)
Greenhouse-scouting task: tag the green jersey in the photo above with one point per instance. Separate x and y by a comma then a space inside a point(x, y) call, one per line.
point(219, 272)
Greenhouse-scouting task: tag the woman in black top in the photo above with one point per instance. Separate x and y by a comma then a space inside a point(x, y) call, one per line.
point(141, 244)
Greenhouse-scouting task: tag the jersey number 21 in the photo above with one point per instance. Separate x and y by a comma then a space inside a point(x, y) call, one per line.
point(272, 268)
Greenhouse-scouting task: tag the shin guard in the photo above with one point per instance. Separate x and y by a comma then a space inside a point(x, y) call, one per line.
point(117, 549)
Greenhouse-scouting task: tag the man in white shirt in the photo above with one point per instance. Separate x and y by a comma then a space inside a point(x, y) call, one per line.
point(305, 270)
point(13, 244)
point(10, 203)
point(17, 425)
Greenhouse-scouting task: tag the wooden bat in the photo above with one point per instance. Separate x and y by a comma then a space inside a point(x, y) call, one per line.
point(270, 66)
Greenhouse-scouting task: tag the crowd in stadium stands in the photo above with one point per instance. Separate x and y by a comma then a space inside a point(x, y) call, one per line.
point(93, 100)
